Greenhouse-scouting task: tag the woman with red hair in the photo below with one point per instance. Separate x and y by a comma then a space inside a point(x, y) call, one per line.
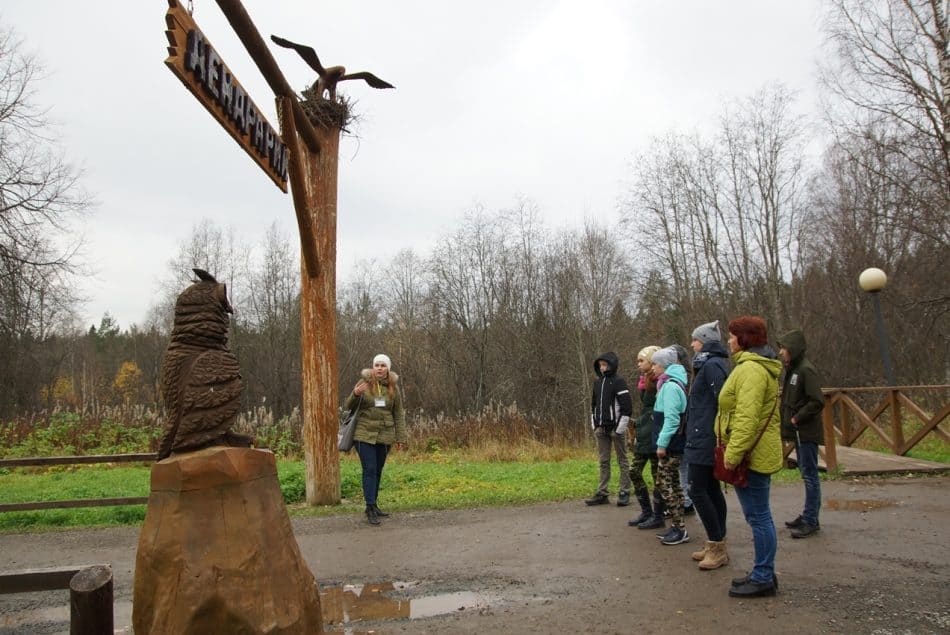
point(747, 423)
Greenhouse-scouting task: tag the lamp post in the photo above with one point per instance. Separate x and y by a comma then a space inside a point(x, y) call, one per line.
point(873, 280)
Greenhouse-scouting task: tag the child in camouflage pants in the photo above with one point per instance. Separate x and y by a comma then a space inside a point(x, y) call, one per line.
point(670, 434)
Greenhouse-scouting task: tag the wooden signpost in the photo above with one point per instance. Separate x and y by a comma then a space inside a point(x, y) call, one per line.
point(306, 156)
point(199, 67)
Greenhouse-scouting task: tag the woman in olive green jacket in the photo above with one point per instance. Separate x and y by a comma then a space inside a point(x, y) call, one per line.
point(381, 422)
point(747, 407)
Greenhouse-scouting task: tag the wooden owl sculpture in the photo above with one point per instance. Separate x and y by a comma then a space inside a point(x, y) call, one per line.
point(201, 379)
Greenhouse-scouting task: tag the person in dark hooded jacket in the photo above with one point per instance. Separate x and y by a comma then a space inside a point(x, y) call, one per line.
point(710, 370)
point(610, 407)
point(802, 403)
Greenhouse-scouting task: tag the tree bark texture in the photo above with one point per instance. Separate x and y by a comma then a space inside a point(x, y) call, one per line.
point(313, 182)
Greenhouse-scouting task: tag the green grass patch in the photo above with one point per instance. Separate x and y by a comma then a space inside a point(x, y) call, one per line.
point(441, 481)
point(67, 483)
point(448, 482)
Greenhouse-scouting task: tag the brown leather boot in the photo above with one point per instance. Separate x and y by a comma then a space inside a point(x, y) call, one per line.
point(716, 556)
point(701, 554)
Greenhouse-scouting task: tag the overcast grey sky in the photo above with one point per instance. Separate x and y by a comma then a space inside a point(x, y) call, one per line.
point(494, 100)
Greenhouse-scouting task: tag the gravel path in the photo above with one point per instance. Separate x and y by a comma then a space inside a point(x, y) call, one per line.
point(880, 564)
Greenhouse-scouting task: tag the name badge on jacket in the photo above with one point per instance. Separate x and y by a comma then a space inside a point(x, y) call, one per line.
point(794, 380)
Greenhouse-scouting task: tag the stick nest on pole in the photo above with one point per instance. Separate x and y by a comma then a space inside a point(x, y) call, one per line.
point(326, 113)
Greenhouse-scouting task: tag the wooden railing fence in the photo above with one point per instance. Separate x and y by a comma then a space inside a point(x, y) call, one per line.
point(885, 412)
point(74, 460)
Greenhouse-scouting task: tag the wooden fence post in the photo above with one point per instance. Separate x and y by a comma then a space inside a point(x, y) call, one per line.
point(831, 448)
point(90, 601)
point(846, 432)
point(897, 424)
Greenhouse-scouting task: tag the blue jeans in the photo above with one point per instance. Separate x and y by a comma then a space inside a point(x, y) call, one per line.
point(807, 453)
point(372, 458)
point(754, 499)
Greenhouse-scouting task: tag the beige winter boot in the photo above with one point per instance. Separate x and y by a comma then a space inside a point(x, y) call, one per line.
point(716, 556)
point(701, 554)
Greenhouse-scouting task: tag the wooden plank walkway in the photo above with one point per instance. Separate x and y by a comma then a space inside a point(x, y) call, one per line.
point(857, 462)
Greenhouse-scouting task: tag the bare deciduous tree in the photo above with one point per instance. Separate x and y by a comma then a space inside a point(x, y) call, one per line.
point(722, 219)
point(41, 202)
point(890, 76)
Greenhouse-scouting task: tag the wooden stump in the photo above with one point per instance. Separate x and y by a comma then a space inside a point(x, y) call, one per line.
point(90, 601)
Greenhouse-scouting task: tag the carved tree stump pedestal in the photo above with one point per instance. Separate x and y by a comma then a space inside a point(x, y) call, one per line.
point(217, 552)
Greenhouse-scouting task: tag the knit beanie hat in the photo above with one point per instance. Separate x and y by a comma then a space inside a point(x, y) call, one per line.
point(382, 358)
point(647, 352)
point(665, 357)
point(708, 332)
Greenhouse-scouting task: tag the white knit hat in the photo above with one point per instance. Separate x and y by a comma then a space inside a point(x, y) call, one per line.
point(384, 359)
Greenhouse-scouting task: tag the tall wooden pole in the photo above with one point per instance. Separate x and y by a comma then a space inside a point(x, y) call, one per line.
point(313, 180)
point(318, 330)
point(313, 183)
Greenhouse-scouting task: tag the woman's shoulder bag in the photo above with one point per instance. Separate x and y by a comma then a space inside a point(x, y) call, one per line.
point(344, 438)
point(739, 475)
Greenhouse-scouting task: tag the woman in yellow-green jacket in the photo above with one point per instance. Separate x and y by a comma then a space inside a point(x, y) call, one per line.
point(380, 424)
point(747, 407)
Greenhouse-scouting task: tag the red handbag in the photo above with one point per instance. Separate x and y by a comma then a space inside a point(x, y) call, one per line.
point(739, 475)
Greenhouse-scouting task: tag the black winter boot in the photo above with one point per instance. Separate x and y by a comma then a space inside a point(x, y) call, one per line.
point(646, 510)
point(656, 521)
point(371, 516)
point(380, 512)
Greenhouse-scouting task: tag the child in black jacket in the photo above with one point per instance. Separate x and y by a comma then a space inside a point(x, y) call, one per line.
point(610, 407)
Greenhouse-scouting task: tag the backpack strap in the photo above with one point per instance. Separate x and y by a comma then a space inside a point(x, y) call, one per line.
point(680, 384)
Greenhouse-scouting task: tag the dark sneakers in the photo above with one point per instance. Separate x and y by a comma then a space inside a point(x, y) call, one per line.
point(794, 524)
point(675, 536)
point(597, 499)
point(623, 499)
point(804, 530)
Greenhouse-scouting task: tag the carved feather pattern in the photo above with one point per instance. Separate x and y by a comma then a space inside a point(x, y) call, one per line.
point(201, 378)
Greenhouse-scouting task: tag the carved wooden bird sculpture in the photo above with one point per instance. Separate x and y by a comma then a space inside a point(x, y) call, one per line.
point(201, 379)
point(328, 77)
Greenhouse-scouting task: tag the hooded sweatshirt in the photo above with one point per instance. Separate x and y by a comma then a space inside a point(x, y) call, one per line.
point(670, 404)
point(610, 399)
point(801, 393)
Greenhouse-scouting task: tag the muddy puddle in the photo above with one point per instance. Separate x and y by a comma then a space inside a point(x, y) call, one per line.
point(862, 505)
point(347, 605)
